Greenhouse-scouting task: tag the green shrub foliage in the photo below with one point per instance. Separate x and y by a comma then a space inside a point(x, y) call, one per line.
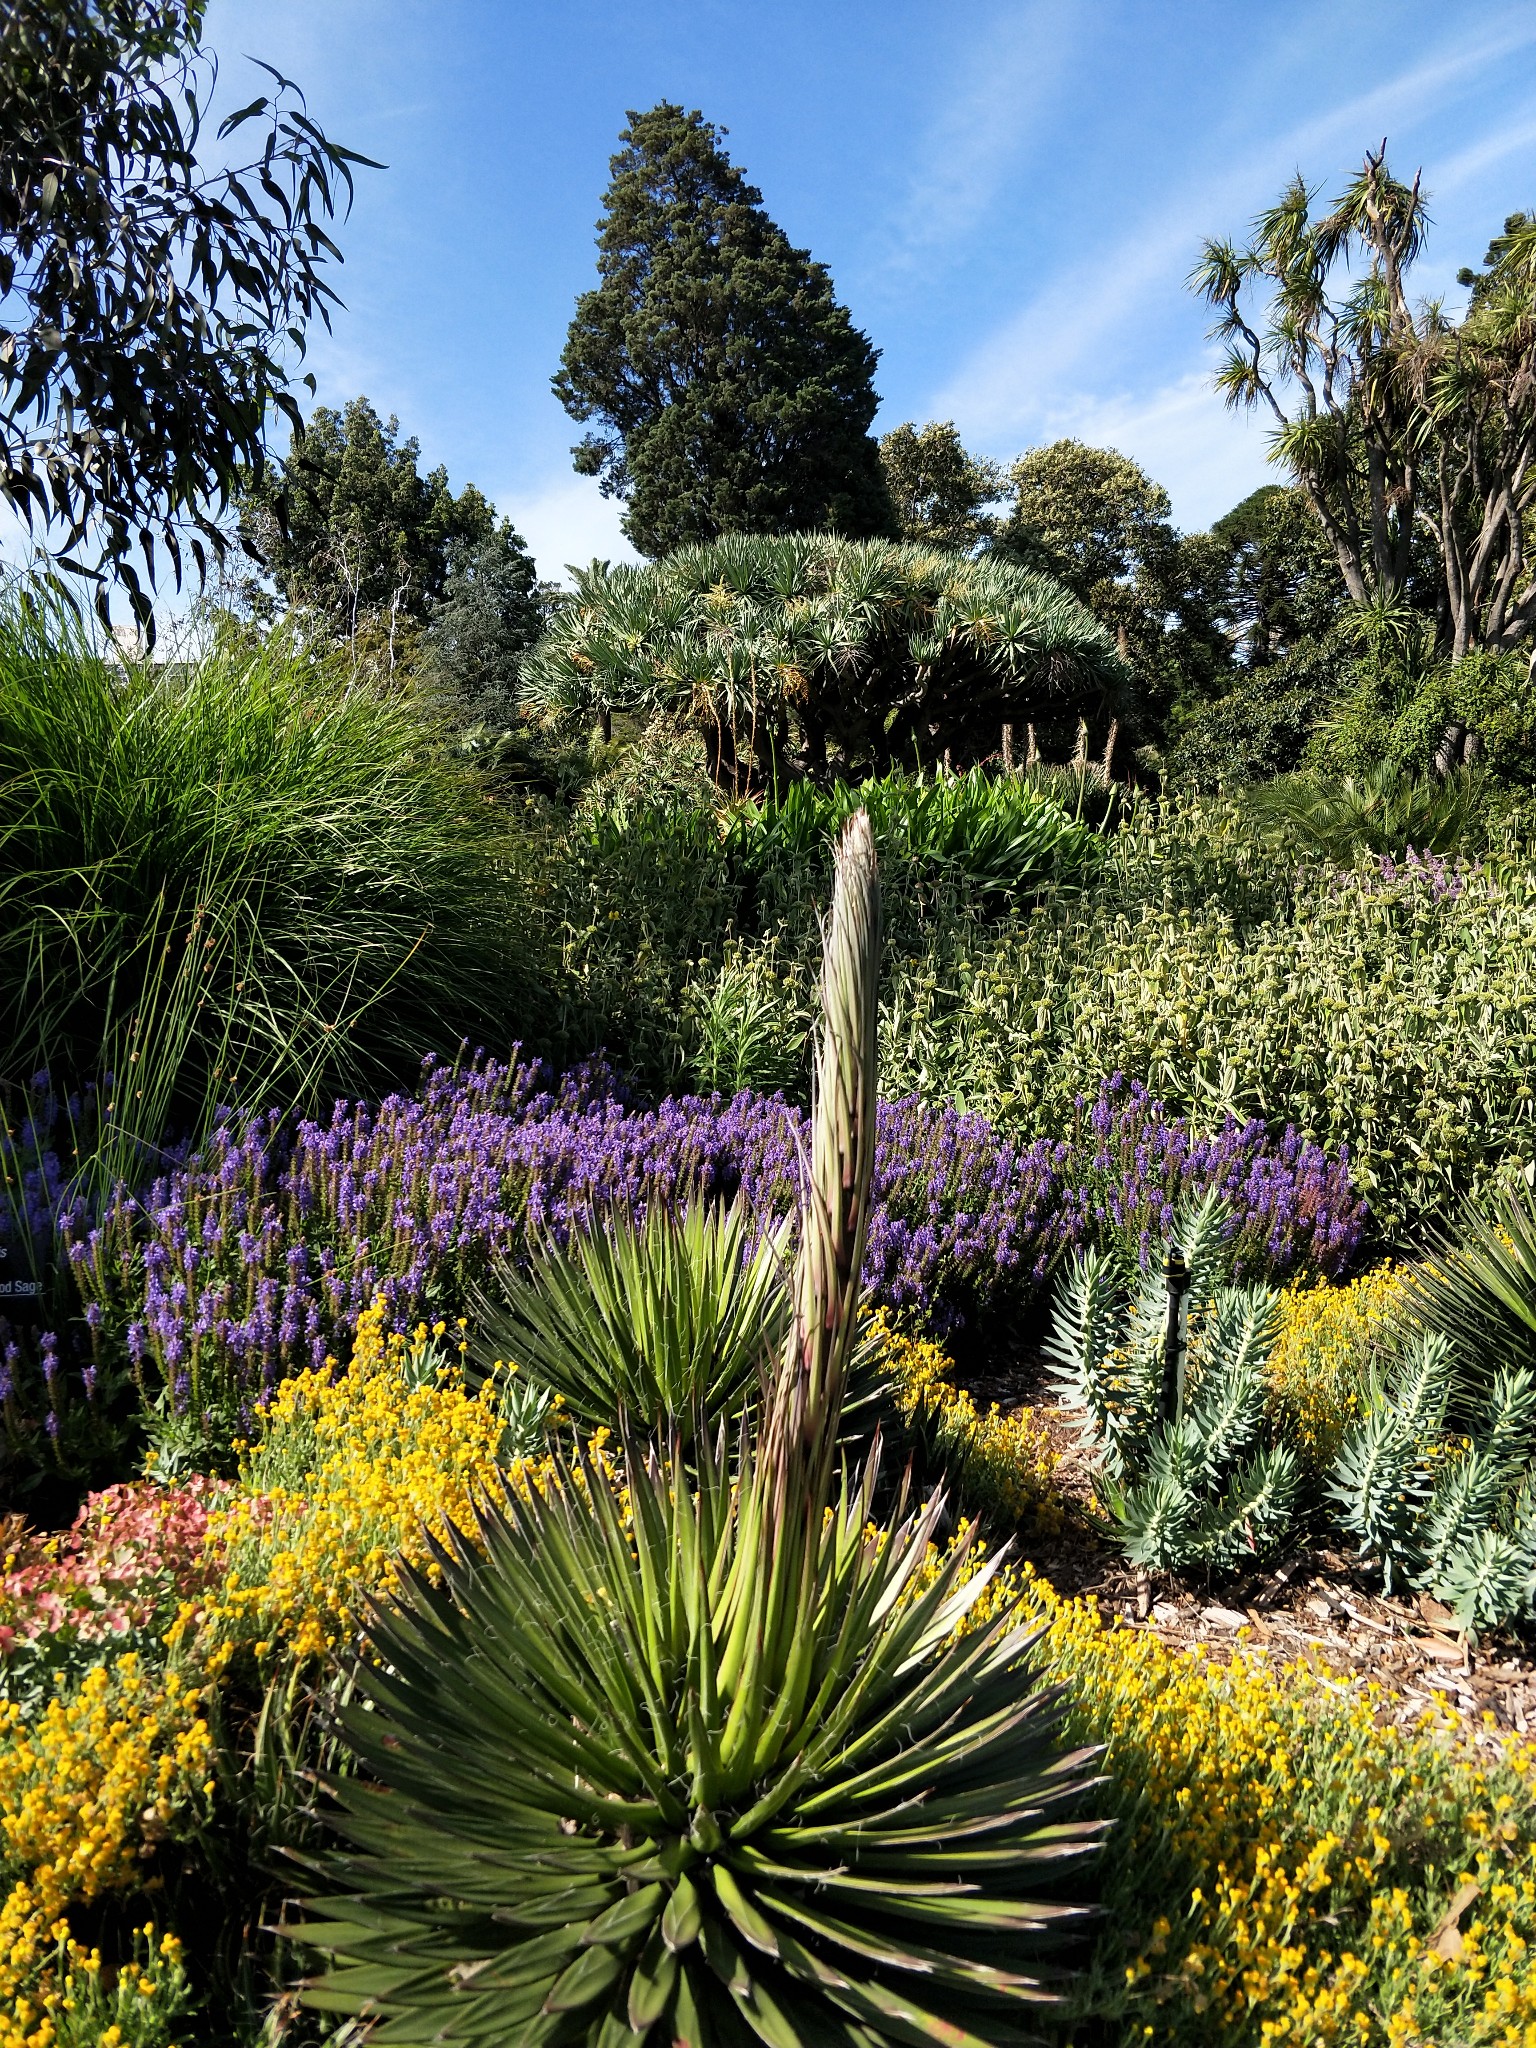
point(1385, 1006)
point(1382, 810)
point(998, 835)
point(1404, 706)
point(1261, 726)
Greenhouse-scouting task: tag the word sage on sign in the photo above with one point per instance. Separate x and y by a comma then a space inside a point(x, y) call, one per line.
point(21, 1296)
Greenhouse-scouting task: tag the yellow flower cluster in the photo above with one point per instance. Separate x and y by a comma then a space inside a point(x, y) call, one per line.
point(1312, 1852)
point(85, 1789)
point(1322, 1359)
point(1003, 1465)
point(136, 2006)
point(352, 1469)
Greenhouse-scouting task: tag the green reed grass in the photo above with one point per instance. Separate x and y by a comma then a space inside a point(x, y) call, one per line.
point(351, 895)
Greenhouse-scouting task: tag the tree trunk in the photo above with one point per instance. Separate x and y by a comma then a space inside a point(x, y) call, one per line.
point(815, 749)
point(1448, 753)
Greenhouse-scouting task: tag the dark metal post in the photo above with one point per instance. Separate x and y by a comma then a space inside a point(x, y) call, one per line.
point(1177, 1271)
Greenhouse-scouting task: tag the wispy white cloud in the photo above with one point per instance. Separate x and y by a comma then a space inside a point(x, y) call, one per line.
point(1086, 325)
point(981, 124)
point(1205, 457)
point(565, 519)
point(1487, 151)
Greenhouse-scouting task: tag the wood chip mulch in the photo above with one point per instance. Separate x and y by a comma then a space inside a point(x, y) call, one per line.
point(1315, 1605)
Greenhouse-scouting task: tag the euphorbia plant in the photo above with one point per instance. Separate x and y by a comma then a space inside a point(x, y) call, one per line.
point(711, 1760)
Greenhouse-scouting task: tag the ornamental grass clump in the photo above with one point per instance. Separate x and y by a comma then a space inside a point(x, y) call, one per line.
point(711, 1764)
point(1478, 1287)
point(293, 827)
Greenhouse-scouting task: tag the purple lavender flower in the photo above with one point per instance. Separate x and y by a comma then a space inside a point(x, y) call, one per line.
point(297, 1224)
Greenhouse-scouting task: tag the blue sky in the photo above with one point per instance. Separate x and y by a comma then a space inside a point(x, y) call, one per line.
point(1009, 196)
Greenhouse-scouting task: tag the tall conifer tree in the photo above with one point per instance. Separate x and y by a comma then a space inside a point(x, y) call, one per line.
point(731, 391)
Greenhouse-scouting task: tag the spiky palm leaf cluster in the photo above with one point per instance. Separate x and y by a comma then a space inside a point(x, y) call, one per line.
point(1201, 1485)
point(706, 1762)
point(1382, 811)
point(645, 1321)
point(610, 1821)
point(1478, 1287)
point(807, 639)
point(1453, 1512)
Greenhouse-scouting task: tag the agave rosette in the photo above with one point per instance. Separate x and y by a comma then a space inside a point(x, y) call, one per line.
point(710, 1758)
point(615, 1816)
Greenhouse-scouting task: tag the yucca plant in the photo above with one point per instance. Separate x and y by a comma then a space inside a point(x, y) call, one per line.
point(1453, 1513)
point(646, 1321)
point(1165, 1370)
point(705, 1762)
point(1478, 1285)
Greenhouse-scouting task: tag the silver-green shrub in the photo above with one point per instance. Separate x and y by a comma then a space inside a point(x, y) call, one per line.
point(1449, 1511)
point(1383, 1007)
point(1169, 1393)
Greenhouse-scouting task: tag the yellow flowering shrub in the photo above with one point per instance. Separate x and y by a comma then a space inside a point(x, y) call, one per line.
point(1283, 1865)
point(1322, 1358)
point(351, 1469)
point(85, 1788)
point(1003, 1465)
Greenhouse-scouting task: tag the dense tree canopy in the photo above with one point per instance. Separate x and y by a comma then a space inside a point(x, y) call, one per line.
point(789, 651)
point(731, 391)
point(1283, 582)
point(1094, 520)
point(939, 492)
point(490, 614)
point(149, 304)
point(357, 539)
